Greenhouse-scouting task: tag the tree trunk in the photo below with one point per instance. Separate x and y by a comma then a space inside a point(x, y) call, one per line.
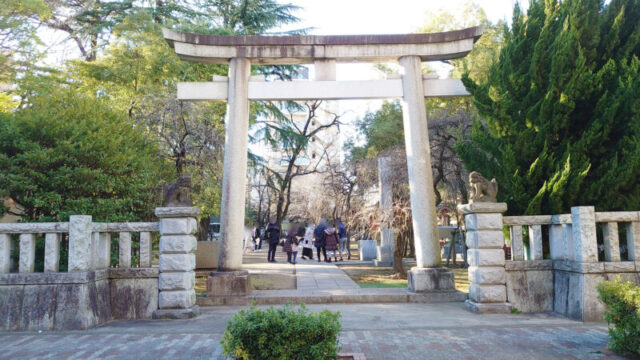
point(398, 267)
point(203, 229)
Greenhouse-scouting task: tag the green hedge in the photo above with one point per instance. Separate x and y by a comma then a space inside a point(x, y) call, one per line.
point(623, 311)
point(282, 333)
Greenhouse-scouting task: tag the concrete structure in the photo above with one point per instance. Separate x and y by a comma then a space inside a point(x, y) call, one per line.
point(368, 249)
point(177, 297)
point(487, 277)
point(410, 50)
point(384, 256)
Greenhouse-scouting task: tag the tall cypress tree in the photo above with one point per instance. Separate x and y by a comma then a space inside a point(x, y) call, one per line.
point(561, 109)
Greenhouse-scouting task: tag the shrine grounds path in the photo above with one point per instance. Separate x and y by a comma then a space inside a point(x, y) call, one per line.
point(380, 331)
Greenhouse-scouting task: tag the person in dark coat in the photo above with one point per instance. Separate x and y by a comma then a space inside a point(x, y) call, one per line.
point(288, 241)
point(273, 235)
point(318, 233)
point(331, 242)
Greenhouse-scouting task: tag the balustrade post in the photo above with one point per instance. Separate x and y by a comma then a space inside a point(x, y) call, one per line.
point(585, 243)
point(79, 243)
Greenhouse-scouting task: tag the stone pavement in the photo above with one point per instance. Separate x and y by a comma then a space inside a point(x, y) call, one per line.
point(320, 283)
point(380, 331)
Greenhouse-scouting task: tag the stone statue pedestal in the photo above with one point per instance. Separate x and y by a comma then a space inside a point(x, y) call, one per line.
point(487, 276)
point(177, 297)
point(430, 279)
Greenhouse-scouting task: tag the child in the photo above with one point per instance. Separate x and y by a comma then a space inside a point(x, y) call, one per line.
point(294, 248)
point(289, 243)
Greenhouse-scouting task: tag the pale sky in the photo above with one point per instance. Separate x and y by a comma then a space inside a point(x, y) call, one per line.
point(351, 17)
point(335, 17)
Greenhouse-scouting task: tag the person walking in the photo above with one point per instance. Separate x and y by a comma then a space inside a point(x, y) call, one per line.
point(273, 235)
point(331, 241)
point(343, 240)
point(256, 238)
point(307, 243)
point(290, 242)
point(318, 233)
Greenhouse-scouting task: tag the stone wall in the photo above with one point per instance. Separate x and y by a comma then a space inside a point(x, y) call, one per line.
point(76, 301)
point(566, 284)
point(530, 285)
point(575, 294)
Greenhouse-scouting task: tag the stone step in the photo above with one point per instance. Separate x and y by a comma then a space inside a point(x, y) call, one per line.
point(368, 296)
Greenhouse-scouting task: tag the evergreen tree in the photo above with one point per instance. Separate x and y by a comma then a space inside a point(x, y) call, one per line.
point(561, 109)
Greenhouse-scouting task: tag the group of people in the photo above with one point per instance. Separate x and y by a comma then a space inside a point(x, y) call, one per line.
point(327, 237)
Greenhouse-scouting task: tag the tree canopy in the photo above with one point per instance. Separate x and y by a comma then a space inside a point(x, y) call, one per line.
point(72, 154)
point(561, 108)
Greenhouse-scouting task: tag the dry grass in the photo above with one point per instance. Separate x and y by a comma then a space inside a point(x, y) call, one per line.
point(383, 277)
point(201, 285)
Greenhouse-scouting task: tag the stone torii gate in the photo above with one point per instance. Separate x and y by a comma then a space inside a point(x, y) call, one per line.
point(324, 51)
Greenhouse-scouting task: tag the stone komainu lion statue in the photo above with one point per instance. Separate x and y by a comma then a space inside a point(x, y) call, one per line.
point(178, 194)
point(482, 190)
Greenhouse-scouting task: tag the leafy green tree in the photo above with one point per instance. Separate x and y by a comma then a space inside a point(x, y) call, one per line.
point(18, 42)
point(69, 153)
point(561, 108)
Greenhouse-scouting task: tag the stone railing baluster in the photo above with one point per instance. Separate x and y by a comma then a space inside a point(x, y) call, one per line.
point(5, 253)
point(27, 258)
point(104, 250)
point(633, 240)
point(51, 252)
point(124, 250)
point(517, 251)
point(611, 241)
point(535, 242)
point(145, 249)
point(556, 242)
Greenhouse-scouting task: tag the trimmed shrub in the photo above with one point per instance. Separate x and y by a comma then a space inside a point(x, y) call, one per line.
point(623, 311)
point(282, 333)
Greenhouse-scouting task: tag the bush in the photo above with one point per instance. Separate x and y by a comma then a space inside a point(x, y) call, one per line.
point(623, 303)
point(283, 333)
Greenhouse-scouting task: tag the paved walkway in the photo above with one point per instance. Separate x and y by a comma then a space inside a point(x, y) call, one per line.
point(380, 331)
point(320, 283)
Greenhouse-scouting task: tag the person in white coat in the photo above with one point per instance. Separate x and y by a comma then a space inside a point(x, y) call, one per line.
point(307, 243)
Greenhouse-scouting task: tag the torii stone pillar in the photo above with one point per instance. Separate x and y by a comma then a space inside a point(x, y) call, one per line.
point(234, 180)
point(427, 275)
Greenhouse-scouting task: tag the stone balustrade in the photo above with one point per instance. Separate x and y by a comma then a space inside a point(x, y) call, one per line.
point(89, 244)
point(557, 260)
point(96, 287)
point(581, 244)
